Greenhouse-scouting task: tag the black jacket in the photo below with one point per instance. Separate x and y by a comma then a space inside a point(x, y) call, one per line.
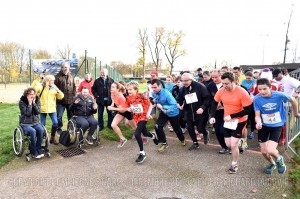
point(84, 107)
point(203, 97)
point(29, 113)
point(98, 90)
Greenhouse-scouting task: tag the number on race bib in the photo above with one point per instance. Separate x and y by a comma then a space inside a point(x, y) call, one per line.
point(136, 108)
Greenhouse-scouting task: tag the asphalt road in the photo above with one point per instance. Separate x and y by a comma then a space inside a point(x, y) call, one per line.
point(108, 172)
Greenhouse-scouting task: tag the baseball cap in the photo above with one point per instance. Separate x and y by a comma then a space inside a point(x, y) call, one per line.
point(199, 69)
point(154, 73)
point(276, 72)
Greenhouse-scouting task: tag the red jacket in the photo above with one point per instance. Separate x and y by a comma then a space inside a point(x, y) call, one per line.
point(87, 84)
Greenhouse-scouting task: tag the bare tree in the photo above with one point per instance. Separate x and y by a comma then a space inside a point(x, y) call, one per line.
point(143, 40)
point(157, 37)
point(64, 53)
point(172, 47)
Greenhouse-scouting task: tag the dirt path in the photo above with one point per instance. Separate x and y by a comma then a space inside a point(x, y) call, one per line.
point(108, 172)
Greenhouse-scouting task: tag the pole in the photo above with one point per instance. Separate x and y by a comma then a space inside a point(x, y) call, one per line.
point(85, 63)
point(286, 37)
point(29, 67)
point(95, 68)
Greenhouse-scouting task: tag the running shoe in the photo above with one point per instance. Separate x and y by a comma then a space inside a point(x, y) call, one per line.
point(194, 146)
point(233, 169)
point(141, 158)
point(280, 165)
point(223, 151)
point(251, 135)
point(270, 168)
point(89, 141)
point(163, 147)
point(182, 143)
point(154, 138)
point(122, 142)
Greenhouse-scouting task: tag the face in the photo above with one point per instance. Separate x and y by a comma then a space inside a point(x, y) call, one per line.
point(168, 80)
point(186, 80)
point(103, 73)
point(206, 77)
point(65, 68)
point(264, 90)
point(223, 70)
point(85, 93)
point(88, 77)
point(155, 88)
point(178, 83)
point(279, 77)
point(249, 78)
point(256, 75)
point(216, 78)
point(131, 90)
point(153, 76)
point(113, 88)
point(51, 82)
point(31, 94)
point(236, 72)
point(227, 84)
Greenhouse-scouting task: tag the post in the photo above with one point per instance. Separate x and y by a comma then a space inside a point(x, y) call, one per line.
point(95, 68)
point(85, 63)
point(30, 67)
point(286, 37)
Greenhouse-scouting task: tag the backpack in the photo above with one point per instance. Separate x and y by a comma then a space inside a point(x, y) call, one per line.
point(64, 138)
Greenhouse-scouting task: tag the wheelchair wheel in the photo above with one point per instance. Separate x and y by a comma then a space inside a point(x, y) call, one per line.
point(46, 139)
point(97, 140)
point(71, 128)
point(18, 141)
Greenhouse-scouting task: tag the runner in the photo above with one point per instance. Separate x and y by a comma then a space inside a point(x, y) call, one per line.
point(169, 111)
point(119, 102)
point(141, 108)
point(270, 117)
point(237, 103)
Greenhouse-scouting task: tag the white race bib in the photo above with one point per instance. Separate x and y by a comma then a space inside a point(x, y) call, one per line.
point(232, 124)
point(191, 98)
point(136, 108)
point(271, 118)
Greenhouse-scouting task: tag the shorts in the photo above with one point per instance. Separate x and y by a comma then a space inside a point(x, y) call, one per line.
point(127, 115)
point(269, 133)
point(237, 133)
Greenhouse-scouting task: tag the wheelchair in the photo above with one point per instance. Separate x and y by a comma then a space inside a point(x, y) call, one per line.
point(74, 129)
point(22, 138)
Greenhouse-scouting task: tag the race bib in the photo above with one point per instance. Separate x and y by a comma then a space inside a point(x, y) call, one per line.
point(136, 108)
point(232, 124)
point(271, 118)
point(191, 98)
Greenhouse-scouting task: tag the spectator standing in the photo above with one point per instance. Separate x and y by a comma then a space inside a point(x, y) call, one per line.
point(88, 82)
point(101, 92)
point(66, 83)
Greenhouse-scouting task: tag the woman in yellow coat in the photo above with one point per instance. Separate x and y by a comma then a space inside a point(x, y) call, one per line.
point(48, 93)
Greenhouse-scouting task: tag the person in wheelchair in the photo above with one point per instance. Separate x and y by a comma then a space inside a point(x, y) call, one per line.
point(83, 109)
point(30, 107)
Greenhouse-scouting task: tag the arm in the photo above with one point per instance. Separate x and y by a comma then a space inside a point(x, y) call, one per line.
point(295, 106)
point(258, 120)
point(246, 111)
point(205, 97)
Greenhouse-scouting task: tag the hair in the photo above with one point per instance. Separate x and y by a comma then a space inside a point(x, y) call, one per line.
point(122, 82)
point(169, 76)
point(156, 81)
point(225, 67)
point(85, 88)
point(236, 68)
point(285, 71)
point(263, 81)
point(48, 78)
point(65, 63)
point(249, 73)
point(119, 86)
point(135, 85)
point(178, 78)
point(28, 90)
point(216, 71)
point(228, 75)
point(206, 73)
point(189, 75)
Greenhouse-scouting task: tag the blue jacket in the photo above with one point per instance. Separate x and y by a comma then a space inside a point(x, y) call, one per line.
point(168, 102)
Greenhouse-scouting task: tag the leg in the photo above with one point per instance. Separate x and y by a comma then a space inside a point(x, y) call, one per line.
point(140, 127)
point(53, 117)
point(109, 116)
point(117, 119)
point(100, 116)
point(174, 121)
point(69, 113)
point(32, 133)
point(60, 109)
point(201, 126)
point(191, 130)
point(39, 137)
point(159, 128)
point(219, 130)
point(93, 126)
point(43, 118)
point(84, 125)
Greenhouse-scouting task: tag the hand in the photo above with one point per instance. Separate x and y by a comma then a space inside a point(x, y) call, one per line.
point(180, 107)
point(128, 109)
point(227, 118)
point(212, 120)
point(149, 116)
point(77, 101)
point(94, 106)
point(159, 106)
point(109, 108)
point(297, 115)
point(295, 95)
point(199, 111)
point(30, 99)
point(258, 126)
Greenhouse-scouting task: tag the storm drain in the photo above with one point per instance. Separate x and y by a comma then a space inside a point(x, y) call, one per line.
point(70, 152)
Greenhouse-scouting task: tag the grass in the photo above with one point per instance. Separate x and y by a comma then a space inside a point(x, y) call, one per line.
point(295, 173)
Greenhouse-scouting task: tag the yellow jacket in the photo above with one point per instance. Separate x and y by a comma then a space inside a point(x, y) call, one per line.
point(48, 98)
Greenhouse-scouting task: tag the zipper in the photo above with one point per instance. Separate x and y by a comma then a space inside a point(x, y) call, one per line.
point(192, 107)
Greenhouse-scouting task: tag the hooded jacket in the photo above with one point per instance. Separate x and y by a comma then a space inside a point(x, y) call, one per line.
point(29, 113)
point(66, 84)
point(84, 107)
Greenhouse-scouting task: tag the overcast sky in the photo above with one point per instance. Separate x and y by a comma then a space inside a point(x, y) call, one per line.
point(243, 32)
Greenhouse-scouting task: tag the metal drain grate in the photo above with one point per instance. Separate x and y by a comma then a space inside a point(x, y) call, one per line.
point(70, 152)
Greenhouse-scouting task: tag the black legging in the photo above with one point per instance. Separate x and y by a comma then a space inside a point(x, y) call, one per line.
point(141, 128)
point(200, 123)
point(219, 127)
